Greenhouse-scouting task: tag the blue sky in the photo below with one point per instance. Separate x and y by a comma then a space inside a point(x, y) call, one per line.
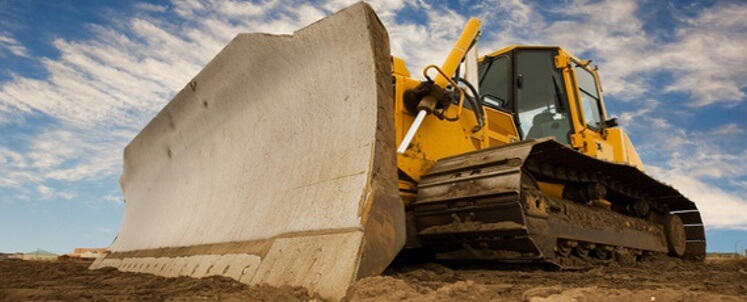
point(78, 79)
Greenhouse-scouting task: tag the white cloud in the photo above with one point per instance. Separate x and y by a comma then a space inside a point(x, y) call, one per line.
point(44, 190)
point(13, 167)
point(105, 230)
point(114, 197)
point(709, 58)
point(52, 148)
point(67, 195)
point(234, 8)
point(719, 209)
point(147, 7)
point(727, 129)
point(712, 154)
point(386, 9)
point(643, 111)
point(706, 166)
point(420, 44)
point(8, 44)
point(11, 158)
point(49, 193)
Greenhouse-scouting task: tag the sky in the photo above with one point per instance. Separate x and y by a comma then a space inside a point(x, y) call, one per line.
point(80, 78)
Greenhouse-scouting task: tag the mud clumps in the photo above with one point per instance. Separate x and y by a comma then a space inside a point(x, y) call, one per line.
point(470, 226)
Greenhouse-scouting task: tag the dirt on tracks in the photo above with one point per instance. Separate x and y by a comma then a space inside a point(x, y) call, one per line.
point(667, 280)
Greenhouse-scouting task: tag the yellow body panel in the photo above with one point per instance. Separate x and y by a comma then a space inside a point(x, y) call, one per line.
point(438, 138)
point(552, 190)
point(625, 153)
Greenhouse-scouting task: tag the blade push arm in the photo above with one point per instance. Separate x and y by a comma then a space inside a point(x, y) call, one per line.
point(428, 103)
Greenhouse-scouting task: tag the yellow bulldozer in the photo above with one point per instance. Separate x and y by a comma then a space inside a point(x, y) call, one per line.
point(314, 159)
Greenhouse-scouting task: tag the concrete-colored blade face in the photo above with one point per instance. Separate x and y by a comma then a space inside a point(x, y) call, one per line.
point(274, 165)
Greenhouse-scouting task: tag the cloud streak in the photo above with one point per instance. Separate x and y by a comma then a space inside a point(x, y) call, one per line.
point(10, 46)
point(709, 60)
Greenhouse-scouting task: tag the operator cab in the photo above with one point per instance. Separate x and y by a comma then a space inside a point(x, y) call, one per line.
point(525, 82)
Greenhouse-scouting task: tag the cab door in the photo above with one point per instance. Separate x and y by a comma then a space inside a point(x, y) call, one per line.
point(539, 101)
point(591, 138)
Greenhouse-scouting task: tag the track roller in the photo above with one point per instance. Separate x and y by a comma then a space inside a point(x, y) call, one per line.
point(583, 250)
point(565, 247)
point(603, 252)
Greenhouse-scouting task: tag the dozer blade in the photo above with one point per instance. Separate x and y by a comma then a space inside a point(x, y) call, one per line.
point(274, 165)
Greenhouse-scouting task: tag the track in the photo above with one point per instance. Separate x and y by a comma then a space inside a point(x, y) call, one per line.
point(486, 205)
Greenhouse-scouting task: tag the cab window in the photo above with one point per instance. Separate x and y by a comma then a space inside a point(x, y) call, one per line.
point(494, 81)
point(540, 102)
point(589, 97)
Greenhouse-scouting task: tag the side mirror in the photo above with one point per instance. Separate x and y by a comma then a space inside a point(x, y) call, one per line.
point(610, 123)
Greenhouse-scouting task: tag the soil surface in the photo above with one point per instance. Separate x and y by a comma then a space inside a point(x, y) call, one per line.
point(648, 280)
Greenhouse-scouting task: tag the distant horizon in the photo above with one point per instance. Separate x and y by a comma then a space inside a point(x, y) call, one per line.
point(49, 251)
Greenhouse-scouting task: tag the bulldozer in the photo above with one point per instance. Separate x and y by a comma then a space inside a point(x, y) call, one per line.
point(314, 159)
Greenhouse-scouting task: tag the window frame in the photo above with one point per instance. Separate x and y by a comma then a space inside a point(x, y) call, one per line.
point(581, 92)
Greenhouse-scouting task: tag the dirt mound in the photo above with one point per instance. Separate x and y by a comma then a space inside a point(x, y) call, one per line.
point(647, 280)
point(652, 279)
point(602, 294)
point(43, 281)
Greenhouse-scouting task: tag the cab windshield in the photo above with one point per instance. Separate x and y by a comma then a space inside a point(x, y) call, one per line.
point(540, 97)
point(534, 92)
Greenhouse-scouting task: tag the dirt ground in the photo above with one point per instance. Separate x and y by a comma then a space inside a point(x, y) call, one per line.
point(643, 281)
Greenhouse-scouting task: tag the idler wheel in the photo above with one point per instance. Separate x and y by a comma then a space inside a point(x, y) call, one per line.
point(674, 231)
